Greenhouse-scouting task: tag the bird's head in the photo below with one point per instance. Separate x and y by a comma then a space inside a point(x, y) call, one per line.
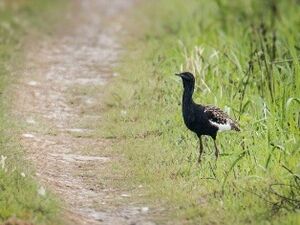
point(187, 77)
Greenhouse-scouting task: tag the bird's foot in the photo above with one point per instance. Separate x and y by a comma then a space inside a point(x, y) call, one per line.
point(217, 154)
point(216, 151)
point(199, 160)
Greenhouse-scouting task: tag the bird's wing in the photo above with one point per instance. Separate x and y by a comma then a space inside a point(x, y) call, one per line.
point(220, 119)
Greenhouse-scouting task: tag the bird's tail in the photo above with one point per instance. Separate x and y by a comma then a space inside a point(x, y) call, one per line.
point(234, 126)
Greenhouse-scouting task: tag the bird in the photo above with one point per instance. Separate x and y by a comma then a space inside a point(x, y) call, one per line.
point(203, 119)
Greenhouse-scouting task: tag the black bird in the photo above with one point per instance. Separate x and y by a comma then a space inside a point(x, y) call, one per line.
point(203, 120)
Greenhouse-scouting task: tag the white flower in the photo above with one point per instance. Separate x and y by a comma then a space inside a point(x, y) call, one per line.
point(30, 121)
point(28, 135)
point(23, 174)
point(145, 209)
point(2, 162)
point(42, 191)
point(32, 83)
point(123, 112)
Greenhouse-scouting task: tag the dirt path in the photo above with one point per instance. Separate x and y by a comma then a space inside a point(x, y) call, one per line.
point(59, 96)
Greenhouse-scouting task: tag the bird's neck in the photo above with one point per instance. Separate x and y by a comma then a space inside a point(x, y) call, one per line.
point(188, 94)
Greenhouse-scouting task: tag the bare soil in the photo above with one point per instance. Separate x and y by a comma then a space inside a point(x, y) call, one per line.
point(59, 97)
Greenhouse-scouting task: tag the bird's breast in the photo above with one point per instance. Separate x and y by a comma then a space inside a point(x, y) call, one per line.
point(190, 120)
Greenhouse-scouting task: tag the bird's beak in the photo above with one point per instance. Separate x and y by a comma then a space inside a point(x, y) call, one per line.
point(178, 74)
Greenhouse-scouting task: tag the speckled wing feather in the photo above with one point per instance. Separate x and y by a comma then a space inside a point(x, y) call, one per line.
point(217, 116)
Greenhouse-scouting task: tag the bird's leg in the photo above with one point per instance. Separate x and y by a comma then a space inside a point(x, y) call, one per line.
point(216, 149)
point(200, 149)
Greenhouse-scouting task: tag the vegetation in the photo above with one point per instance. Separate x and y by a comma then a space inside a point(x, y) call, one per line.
point(245, 55)
point(20, 195)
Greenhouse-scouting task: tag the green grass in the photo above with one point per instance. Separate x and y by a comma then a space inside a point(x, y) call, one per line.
point(245, 55)
point(18, 190)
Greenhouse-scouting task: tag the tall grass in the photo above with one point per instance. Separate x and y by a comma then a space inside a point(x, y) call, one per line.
point(19, 192)
point(245, 57)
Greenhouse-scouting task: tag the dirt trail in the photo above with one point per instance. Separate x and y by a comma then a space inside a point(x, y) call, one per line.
point(58, 96)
